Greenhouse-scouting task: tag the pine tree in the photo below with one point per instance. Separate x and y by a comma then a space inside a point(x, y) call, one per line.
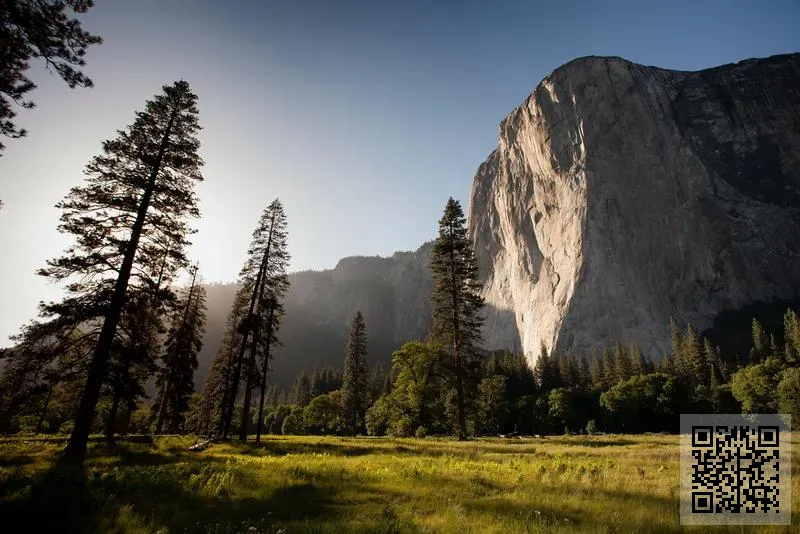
point(546, 371)
point(265, 278)
point(270, 309)
point(641, 364)
point(456, 302)
point(760, 349)
point(301, 388)
point(610, 370)
point(217, 388)
point(137, 196)
point(791, 328)
point(623, 364)
point(175, 379)
point(584, 375)
point(39, 29)
point(316, 382)
point(355, 379)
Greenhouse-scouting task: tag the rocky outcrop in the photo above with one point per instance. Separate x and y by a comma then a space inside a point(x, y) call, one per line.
point(621, 195)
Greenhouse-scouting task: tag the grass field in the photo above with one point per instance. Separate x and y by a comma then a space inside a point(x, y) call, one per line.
point(609, 484)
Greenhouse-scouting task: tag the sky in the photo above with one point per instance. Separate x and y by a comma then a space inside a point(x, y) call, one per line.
point(363, 117)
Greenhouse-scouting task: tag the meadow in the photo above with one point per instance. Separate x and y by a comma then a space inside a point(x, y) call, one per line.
point(297, 484)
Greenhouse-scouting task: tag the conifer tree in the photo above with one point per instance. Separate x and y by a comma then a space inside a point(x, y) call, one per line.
point(301, 388)
point(137, 196)
point(269, 310)
point(131, 357)
point(217, 388)
point(355, 379)
point(760, 349)
point(263, 274)
point(175, 378)
point(316, 382)
point(32, 29)
point(623, 364)
point(546, 371)
point(584, 375)
point(456, 303)
point(791, 329)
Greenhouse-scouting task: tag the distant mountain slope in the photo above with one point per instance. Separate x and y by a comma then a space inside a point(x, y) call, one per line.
point(392, 293)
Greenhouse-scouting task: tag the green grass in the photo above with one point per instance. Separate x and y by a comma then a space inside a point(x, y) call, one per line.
point(604, 484)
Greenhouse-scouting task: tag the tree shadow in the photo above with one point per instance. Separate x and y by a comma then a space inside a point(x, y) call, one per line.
point(182, 493)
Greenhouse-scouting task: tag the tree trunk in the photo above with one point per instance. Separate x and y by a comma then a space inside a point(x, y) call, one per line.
point(44, 410)
point(244, 429)
point(111, 422)
point(260, 422)
point(462, 421)
point(162, 408)
point(181, 337)
point(234, 392)
point(75, 451)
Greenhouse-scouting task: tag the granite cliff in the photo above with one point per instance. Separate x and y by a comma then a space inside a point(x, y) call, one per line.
point(622, 195)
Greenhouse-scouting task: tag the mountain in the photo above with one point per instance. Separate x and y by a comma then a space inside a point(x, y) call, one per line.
point(621, 196)
point(392, 293)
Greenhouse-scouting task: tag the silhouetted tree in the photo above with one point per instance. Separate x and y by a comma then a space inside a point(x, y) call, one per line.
point(355, 379)
point(175, 378)
point(33, 29)
point(217, 388)
point(137, 196)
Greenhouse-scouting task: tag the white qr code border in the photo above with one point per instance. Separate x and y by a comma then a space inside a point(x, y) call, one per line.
point(706, 475)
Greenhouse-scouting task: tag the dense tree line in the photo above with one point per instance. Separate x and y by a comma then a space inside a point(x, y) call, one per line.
point(615, 390)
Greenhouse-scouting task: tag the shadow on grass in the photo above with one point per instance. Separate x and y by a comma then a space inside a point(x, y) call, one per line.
point(146, 491)
point(537, 517)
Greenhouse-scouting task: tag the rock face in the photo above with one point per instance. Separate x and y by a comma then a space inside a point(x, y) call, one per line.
point(621, 195)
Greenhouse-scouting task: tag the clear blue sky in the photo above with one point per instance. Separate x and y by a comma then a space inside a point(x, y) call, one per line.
point(362, 116)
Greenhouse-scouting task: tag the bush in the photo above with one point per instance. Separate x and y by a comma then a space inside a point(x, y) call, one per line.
point(591, 427)
point(323, 415)
point(379, 415)
point(421, 432)
point(294, 423)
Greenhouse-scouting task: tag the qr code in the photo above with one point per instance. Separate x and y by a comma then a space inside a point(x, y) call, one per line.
point(735, 469)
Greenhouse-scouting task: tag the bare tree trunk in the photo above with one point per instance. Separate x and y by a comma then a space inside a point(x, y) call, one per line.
point(457, 363)
point(44, 410)
point(75, 451)
point(257, 290)
point(111, 422)
point(264, 374)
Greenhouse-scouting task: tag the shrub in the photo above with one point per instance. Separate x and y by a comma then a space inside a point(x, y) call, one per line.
point(591, 427)
point(379, 415)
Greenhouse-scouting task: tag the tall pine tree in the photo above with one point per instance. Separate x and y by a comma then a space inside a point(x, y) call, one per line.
point(456, 303)
point(355, 380)
point(139, 192)
point(217, 388)
point(175, 378)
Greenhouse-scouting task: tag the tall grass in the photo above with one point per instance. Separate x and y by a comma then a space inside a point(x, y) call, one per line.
point(603, 484)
